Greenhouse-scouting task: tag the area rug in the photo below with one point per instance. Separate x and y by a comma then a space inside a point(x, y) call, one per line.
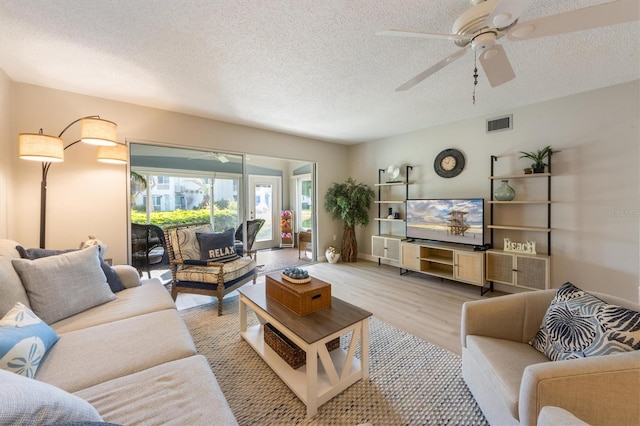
point(411, 381)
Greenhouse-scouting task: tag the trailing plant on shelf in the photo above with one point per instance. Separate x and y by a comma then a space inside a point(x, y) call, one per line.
point(538, 157)
point(349, 201)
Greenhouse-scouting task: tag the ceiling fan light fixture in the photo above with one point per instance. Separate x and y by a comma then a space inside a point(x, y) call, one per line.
point(502, 20)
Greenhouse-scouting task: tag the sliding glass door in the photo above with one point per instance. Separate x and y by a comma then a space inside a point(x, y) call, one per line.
point(171, 185)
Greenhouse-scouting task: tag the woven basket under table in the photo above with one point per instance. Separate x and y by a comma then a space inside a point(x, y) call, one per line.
point(289, 351)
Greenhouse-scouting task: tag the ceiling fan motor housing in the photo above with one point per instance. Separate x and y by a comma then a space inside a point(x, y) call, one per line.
point(472, 21)
point(483, 41)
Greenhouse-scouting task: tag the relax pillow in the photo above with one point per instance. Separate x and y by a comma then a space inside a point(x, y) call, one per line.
point(578, 325)
point(217, 246)
point(112, 277)
point(64, 285)
point(25, 401)
point(24, 341)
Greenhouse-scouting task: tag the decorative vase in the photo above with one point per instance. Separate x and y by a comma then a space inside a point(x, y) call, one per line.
point(332, 257)
point(504, 192)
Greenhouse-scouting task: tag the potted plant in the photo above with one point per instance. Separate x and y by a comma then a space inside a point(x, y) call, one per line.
point(528, 170)
point(538, 158)
point(349, 201)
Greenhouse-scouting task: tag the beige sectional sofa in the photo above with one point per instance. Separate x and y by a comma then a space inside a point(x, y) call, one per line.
point(131, 358)
point(512, 382)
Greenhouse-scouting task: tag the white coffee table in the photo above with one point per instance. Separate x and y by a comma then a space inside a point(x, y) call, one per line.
point(316, 382)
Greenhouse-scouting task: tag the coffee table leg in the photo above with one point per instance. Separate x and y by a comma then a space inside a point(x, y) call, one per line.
point(243, 315)
point(312, 380)
point(364, 349)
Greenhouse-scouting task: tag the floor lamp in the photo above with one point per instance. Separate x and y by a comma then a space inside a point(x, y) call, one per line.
point(50, 149)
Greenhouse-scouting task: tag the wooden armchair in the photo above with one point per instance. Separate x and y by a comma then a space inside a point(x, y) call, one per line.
point(193, 274)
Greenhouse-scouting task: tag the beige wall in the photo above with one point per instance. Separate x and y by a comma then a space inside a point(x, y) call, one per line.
point(90, 198)
point(595, 188)
point(595, 241)
point(6, 141)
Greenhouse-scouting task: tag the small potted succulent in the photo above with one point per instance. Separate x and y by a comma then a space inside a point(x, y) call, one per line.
point(538, 158)
point(528, 170)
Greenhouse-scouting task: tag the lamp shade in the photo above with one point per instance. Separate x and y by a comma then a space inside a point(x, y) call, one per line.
point(39, 147)
point(96, 131)
point(117, 154)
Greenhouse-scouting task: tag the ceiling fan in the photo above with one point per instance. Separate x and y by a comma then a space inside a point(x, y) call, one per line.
point(214, 155)
point(486, 21)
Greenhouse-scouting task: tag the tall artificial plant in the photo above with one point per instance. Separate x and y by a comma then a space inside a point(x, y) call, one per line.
point(349, 201)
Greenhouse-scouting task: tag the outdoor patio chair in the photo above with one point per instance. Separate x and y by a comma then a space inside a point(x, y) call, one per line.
point(147, 247)
point(205, 262)
point(253, 228)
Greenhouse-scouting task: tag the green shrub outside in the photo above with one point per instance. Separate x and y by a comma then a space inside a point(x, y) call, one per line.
point(223, 219)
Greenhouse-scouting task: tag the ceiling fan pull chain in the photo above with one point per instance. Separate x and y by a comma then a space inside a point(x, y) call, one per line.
point(475, 75)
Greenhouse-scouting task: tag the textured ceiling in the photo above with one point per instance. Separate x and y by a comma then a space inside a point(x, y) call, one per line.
point(305, 67)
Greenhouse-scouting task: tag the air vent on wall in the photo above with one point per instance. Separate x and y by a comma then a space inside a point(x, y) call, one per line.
point(500, 123)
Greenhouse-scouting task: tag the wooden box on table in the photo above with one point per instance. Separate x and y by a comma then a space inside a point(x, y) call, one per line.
point(301, 299)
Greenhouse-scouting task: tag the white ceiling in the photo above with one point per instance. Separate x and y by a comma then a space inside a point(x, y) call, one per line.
point(306, 67)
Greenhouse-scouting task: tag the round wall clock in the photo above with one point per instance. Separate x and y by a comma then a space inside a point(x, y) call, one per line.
point(449, 163)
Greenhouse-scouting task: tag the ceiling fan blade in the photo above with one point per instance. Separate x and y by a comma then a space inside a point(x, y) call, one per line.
point(213, 155)
point(506, 12)
point(432, 70)
point(496, 65)
point(615, 12)
point(396, 33)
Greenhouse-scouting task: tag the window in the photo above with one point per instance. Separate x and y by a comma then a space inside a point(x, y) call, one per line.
point(180, 198)
point(164, 182)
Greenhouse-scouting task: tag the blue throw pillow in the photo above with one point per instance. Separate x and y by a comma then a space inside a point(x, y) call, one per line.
point(579, 325)
point(114, 281)
point(24, 341)
point(217, 246)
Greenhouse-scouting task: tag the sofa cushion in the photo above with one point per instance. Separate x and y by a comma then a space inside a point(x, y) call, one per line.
point(36, 253)
point(185, 388)
point(149, 297)
point(217, 246)
point(11, 288)
point(93, 355)
point(209, 274)
point(578, 324)
point(115, 284)
point(63, 285)
point(24, 341)
point(25, 401)
point(498, 365)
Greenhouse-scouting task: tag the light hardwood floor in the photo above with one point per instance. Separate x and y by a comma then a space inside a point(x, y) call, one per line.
point(424, 306)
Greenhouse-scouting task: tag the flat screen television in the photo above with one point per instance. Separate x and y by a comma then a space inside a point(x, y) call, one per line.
point(454, 220)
